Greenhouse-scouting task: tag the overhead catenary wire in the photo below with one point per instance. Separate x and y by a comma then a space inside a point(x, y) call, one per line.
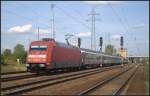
point(50, 19)
point(127, 27)
point(35, 21)
point(73, 18)
point(83, 17)
point(119, 18)
point(29, 19)
point(38, 14)
point(26, 18)
point(137, 47)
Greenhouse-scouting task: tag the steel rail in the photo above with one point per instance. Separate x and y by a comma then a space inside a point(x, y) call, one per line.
point(118, 91)
point(9, 78)
point(85, 92)
point(13, 72)
point(39, 84)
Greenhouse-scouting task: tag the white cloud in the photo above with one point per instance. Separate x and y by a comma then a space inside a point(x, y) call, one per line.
point(102, 2)
point(20, 29)
point(28, 28)
point(116, 36)
point(83, 34)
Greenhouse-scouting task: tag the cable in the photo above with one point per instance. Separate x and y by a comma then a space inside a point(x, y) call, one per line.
point(29, 19)
point(126, 21)
point(119, 18)
point(122, 23)
point(73, 17)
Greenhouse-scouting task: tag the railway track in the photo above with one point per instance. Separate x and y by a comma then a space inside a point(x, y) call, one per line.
point(13, 72)
point(18, 89)
point(135, 86)
point(111, 86)
point(16, 76)
point(121, 88)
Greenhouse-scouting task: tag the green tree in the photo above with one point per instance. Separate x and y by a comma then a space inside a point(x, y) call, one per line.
point(7, 53)
point(19, 53)
point(2, 59)
point(114, 51)
point(7, 57)
point(110, 50)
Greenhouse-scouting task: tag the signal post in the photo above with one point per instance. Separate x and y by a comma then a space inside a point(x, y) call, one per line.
point(100, 44)
point(122, 51)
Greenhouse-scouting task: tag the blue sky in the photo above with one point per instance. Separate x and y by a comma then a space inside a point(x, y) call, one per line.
point(20, 19)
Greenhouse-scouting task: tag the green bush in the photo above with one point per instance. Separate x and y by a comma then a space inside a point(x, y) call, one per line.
point(12, 68)
point(9, 58)
point(146, 76)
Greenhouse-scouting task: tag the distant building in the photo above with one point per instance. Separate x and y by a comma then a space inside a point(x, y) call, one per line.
point(123, 53)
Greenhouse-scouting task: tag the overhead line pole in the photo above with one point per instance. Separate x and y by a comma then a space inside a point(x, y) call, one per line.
point(38, 33)
point(93, 38)
point(53, 24)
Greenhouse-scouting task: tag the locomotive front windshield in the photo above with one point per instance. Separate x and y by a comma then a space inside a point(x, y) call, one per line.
point(38, 48)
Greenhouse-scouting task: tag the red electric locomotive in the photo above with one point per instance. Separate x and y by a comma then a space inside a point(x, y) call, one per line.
point(49, 54)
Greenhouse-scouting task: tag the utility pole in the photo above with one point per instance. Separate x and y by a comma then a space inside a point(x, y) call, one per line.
point(53, 23)
point(109, 38)
point(38, 34)
point(93, 38)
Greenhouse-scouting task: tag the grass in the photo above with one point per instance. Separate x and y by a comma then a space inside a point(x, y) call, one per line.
point(146, 77)
point(12, 68)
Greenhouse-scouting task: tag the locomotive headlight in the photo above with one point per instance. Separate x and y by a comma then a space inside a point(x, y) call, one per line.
point(29, 59)
point(42, 65)
point(27, 65)
point(37, 56)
